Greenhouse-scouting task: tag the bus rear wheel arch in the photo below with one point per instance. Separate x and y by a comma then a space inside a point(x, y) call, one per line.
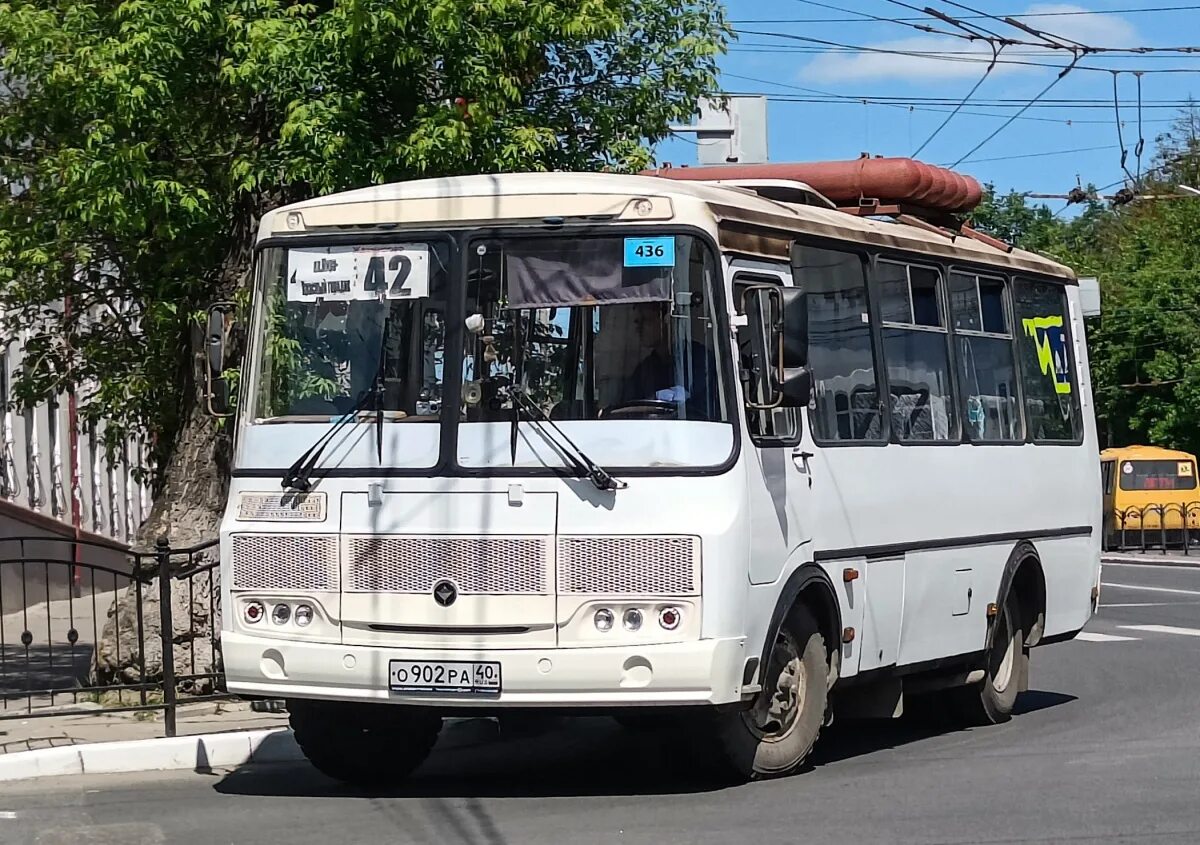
point(1016, 625)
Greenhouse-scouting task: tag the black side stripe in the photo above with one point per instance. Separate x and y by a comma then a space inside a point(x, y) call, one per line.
point(892, 549)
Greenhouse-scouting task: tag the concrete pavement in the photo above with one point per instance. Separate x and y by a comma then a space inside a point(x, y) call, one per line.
point(1106, 749)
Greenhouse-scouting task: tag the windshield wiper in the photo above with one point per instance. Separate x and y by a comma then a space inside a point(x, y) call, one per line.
point(581, 463)
point(298, 475)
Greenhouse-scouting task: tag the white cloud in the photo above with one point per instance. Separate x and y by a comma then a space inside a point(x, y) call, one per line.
point(1091, 29)
point(947, 58)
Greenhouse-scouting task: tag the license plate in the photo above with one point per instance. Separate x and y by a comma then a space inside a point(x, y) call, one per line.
point(452, 676)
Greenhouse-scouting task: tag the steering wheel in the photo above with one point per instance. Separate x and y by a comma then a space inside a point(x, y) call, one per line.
point(654, 409)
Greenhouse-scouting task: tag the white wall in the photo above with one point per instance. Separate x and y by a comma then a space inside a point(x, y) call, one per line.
point(36, 466)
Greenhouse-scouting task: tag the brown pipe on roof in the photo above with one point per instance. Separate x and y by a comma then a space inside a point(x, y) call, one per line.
point(903, 181)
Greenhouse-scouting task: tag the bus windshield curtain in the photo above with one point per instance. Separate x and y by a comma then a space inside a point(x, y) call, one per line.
point(560, 273)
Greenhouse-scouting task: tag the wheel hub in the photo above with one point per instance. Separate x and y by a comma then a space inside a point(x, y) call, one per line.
point(779, 704)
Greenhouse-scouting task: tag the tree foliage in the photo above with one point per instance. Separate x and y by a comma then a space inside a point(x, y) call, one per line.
point(141, 141)
point(1146, 255)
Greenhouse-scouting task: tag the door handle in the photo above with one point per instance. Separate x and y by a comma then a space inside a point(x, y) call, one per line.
point(803, 456)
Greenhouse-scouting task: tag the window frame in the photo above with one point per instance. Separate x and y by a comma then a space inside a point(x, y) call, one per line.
point(942, 268)
point(741, 276)
point(1069, 339)
point(466, 239)
point(447, 465)
point(866, 257)
point(1013, 338)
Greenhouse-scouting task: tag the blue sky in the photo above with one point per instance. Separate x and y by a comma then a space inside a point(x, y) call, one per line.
point(763, 62)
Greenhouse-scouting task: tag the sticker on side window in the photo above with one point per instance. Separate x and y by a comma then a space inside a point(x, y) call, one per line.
point(650, 252)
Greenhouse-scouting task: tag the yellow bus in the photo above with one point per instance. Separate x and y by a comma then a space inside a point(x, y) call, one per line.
point(1149, 496)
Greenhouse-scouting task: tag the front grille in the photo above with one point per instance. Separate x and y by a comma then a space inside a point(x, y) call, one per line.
point(660, 566)
point(285, 562)
point(480, 565)
point(281, 507)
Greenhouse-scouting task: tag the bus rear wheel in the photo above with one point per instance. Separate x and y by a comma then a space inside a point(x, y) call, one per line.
point(991, 701)
point(775, 735)
point(367, 745)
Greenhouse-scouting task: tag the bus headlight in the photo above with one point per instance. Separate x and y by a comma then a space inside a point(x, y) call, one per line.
point(603, 619)
point(303, 615)
point(632, 619)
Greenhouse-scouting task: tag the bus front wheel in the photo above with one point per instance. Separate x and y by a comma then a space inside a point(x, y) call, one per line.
point(774, 736)
point(367, 745)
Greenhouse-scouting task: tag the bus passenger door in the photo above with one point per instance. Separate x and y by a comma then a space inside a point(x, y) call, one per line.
point(780, 463)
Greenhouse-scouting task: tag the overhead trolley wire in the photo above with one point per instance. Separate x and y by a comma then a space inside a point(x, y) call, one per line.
point(995, 56)
point(1058, 14)
point(1020, 112)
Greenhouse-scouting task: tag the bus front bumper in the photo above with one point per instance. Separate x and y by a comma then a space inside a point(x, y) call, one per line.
point(698, 672)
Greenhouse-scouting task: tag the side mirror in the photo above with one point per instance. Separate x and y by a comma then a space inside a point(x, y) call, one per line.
point(795, 379)
point(796, 387)
point(216, 335)
point(794, 318)
point(782, 314)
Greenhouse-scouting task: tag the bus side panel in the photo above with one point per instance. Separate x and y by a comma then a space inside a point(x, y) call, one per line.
point(956, 513)
point(1069, 564)
point(946, 593)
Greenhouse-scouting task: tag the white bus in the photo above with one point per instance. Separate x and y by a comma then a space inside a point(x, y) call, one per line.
point(618, 444)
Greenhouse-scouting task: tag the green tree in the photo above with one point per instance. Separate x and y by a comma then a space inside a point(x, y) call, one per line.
point(1146, 255)
point(141, 141)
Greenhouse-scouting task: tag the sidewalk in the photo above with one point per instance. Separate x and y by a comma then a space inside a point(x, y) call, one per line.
point(1152, 557)
point(206, 717)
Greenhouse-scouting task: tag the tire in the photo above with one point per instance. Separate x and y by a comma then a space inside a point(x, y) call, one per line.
point(991, 701)
point(368, 745)
point(775, 735)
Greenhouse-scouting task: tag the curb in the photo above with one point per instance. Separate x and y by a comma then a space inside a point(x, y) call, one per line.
point(1150, 559)
point(200, 753)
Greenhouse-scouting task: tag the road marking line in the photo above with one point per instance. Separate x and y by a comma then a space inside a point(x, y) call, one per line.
point(1152, 604)
point(1093, 637)
point(1177, 567)
point(1163, 629)
point(7, 814)
point(1151, 589)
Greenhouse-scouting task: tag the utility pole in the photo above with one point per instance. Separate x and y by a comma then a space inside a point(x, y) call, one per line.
point(730, 130)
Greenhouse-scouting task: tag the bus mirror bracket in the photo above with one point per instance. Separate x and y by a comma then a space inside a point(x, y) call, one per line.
point(216, 386)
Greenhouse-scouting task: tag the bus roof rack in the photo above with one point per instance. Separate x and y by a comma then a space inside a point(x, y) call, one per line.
point(908, 191)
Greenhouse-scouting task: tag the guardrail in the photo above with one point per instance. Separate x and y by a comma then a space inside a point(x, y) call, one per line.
point(1153, 527)
point(84, 623)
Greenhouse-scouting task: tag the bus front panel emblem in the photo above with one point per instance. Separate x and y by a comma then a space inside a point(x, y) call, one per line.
point(445, 593)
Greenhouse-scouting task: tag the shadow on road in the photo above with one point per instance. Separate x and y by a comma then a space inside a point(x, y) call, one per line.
point(924, 719)
point(587, 757)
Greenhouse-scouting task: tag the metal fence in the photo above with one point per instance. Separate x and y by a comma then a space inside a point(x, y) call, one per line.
point(86, 624)
point(1153, 527)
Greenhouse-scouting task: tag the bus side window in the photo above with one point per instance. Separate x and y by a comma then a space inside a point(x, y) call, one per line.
point(840, 350)
point(773, 427)
point(916, 350)
point(1106, 473)
point(1047, 361)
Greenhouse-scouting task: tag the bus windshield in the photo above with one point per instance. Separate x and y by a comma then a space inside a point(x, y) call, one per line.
point(593, 329)
point(336, 319)
point(1158, 475)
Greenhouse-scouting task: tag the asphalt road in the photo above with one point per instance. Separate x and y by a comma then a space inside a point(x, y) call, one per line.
point(1106, 749)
